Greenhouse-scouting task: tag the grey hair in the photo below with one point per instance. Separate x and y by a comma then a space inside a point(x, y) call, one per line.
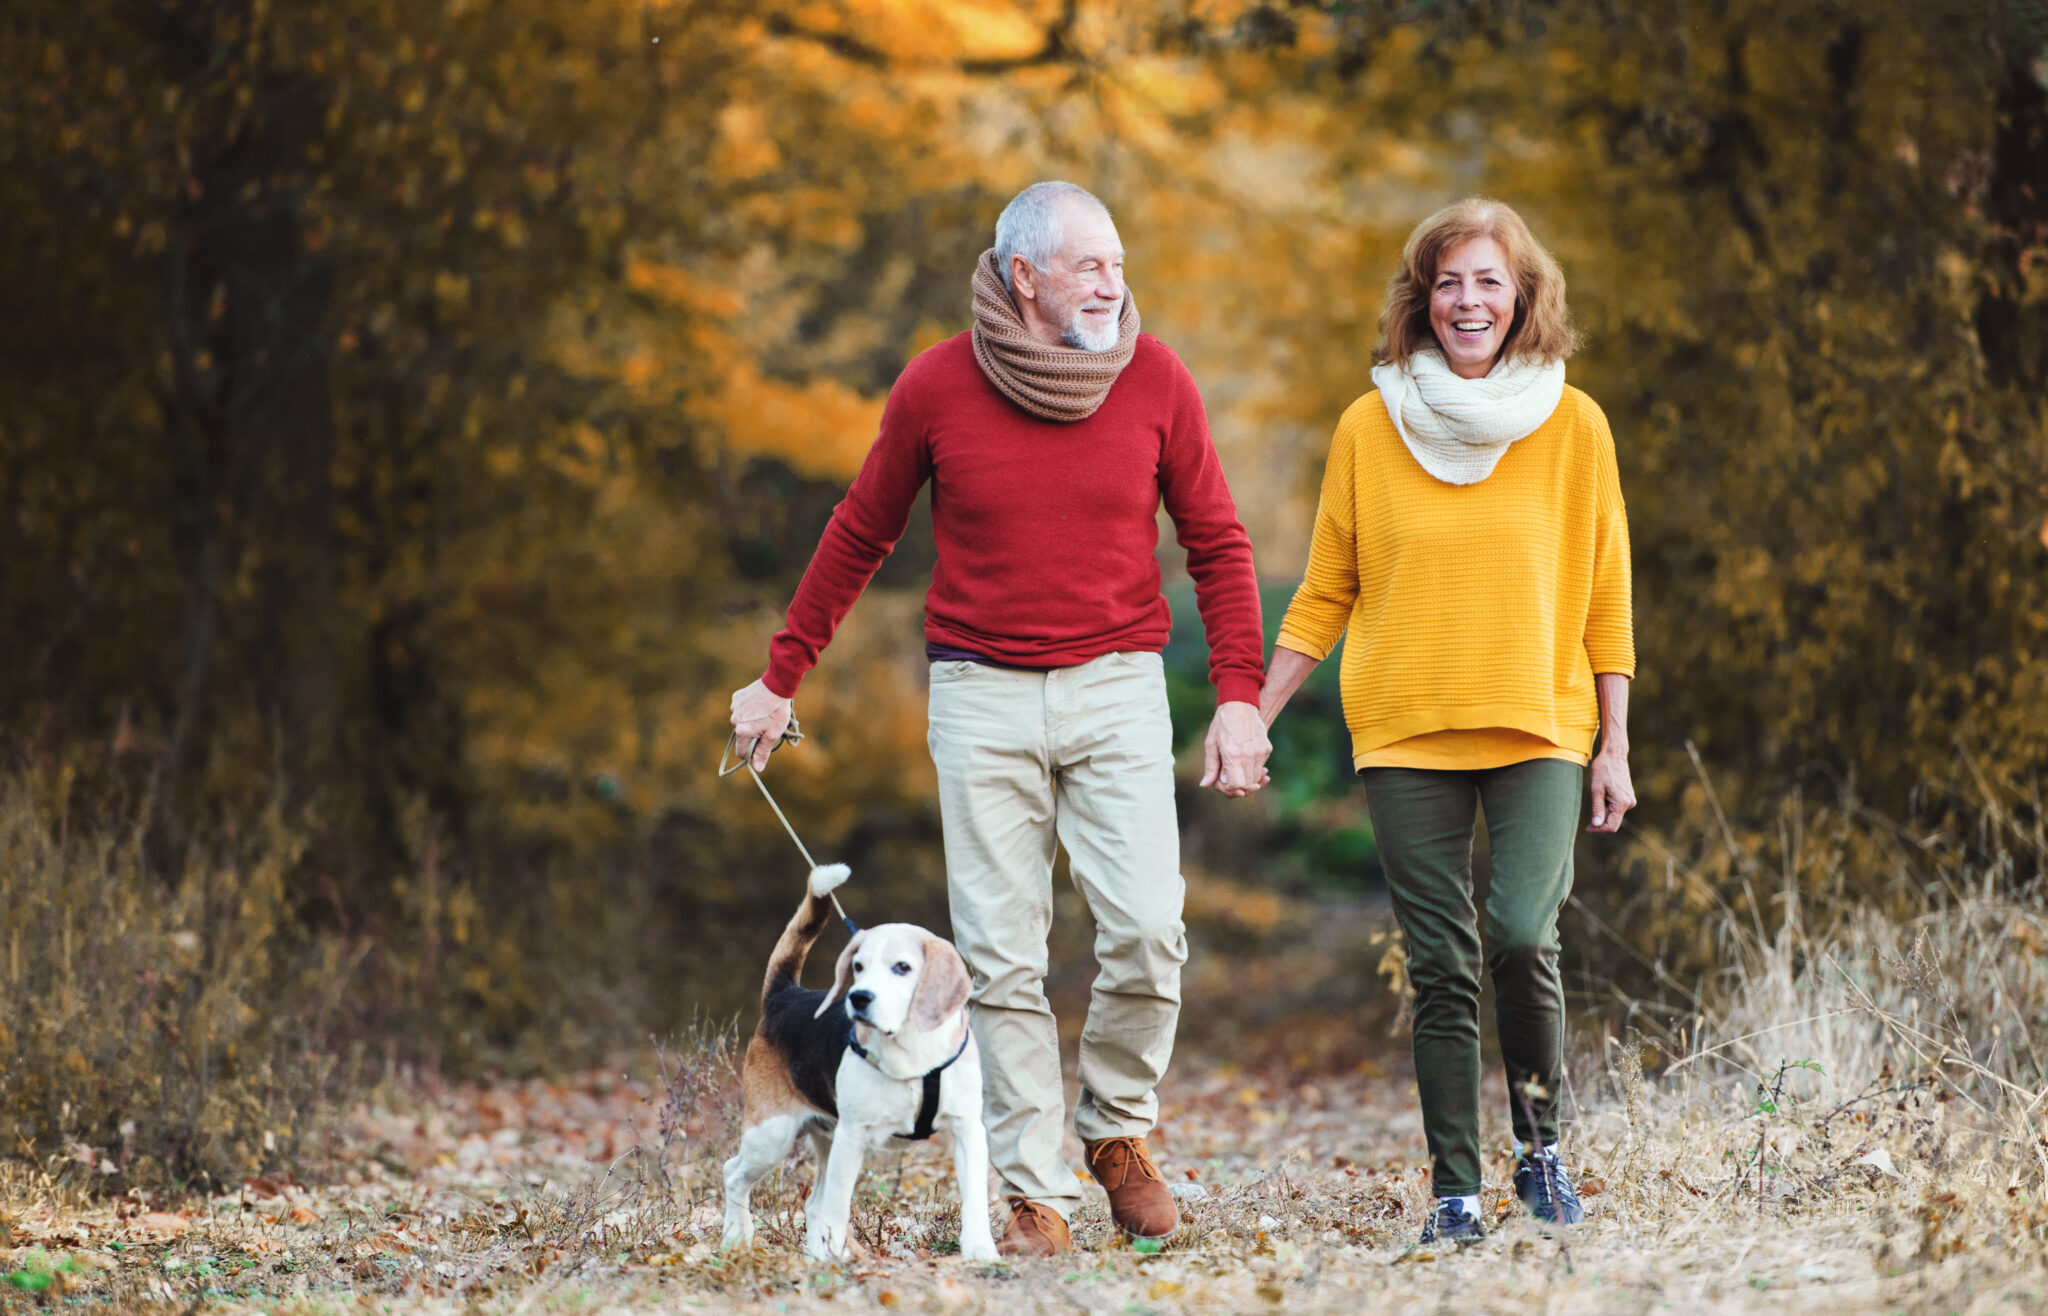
point(1030, 225)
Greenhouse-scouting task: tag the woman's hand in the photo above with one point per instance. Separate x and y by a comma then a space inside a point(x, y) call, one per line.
point(1234, 755)
point(1284, 675)
point(1613, 793)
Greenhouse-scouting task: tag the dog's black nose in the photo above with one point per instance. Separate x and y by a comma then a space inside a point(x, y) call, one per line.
point(860, 1001)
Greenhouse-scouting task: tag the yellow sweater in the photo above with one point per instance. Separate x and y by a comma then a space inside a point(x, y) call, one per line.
point(1477, 613)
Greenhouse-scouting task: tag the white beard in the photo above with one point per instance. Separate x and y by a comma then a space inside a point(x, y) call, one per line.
point(1079, 335)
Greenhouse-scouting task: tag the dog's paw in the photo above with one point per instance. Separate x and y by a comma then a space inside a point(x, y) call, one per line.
point(827, 878)
point(982, 1249)
point(823, 1250)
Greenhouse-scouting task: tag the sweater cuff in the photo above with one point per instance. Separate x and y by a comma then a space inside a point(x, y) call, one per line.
point(1619, 659)
point(1237, 688)
point(1301, 644)
point(781, 681)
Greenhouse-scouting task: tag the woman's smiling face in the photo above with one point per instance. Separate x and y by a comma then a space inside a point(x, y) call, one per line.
point(1472, 305)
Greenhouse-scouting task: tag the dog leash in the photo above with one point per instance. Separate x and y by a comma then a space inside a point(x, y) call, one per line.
point(791, 735)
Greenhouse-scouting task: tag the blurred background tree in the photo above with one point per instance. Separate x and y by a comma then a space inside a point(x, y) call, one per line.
point(419, 414)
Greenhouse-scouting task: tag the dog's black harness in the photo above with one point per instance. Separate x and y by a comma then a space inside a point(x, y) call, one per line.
point(928, 1104)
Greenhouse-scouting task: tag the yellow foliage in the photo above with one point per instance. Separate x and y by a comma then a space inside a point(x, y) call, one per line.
point(681, 289)
point(488, 478)
point(922, 31)
point(1169, 86)
point(744, 149)
point(822, 428)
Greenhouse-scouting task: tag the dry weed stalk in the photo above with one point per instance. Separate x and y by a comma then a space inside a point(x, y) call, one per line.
point(1888, 1045)
point(156, 1030)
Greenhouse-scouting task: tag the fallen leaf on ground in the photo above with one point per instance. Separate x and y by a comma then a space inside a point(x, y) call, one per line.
point(161, 1224)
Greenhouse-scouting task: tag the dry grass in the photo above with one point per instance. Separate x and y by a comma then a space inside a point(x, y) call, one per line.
point(155, 1029)
point(1855, 1120)
point(1905, 1173)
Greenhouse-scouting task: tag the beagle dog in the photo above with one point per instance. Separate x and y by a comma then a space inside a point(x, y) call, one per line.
point(885, 1054)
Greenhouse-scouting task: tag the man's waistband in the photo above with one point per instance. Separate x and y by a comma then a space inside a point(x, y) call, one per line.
point(943, 653)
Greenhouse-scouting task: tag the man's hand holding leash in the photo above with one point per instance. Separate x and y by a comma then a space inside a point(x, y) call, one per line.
point(759, 717)
point(1234, 755)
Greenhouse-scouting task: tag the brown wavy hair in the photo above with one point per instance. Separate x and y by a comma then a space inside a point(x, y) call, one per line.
point(1542, 328)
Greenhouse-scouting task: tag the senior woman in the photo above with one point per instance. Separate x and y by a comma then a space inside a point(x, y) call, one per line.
point(1472, 542)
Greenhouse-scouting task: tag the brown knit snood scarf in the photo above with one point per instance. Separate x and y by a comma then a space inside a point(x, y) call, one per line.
point(1053, 383)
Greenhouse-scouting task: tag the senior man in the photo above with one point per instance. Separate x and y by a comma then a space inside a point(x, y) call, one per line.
point(1051, 432)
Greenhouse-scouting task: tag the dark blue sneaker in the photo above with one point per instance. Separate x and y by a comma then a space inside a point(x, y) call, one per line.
point(1545, 1187)
point(1452, 1223)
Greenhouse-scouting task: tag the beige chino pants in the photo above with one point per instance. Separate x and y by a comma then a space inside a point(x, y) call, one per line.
point(1085, 755)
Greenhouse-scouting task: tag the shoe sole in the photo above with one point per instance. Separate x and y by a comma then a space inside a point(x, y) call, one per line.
point(1153, 1238)
point(1463, 1241)
point(1456, 1244)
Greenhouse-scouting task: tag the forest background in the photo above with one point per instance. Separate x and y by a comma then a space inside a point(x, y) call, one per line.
point(413, 418)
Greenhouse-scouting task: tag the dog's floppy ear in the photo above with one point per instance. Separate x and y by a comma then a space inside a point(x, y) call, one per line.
point(842, 975)
point(941, 988)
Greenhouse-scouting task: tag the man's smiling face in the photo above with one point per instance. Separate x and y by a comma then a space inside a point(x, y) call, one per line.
point(1081, 293)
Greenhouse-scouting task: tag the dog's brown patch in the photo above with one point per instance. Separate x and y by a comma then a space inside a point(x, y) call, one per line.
point(786, 964)
point(842, 973)
point(766, 1088)
point(943, 986)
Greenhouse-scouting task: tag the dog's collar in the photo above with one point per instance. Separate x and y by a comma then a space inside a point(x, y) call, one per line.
point(928, 1103)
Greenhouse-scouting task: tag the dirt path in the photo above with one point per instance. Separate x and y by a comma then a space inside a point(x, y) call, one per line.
point(535, 1197)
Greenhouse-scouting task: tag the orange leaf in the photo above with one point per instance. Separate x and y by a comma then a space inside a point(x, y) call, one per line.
point(162, 1223)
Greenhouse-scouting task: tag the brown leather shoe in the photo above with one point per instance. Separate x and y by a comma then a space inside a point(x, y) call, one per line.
point(1138, 1199)
point(1033, 1231)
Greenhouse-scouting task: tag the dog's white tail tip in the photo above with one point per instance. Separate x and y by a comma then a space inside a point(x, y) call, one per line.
point(827, 878)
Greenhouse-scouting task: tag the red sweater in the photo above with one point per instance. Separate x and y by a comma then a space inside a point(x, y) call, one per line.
point(1046, 530)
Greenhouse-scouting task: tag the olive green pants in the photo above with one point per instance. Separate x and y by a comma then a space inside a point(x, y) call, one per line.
point(1423, 822)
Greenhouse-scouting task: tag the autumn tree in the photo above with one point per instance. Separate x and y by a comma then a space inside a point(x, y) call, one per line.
point(422, 411)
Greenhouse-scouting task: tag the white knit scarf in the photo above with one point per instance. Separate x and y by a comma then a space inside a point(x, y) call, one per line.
point(1459, 428)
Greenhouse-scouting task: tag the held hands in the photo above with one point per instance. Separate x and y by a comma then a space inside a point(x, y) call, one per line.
point(759, 717)
point(1234, 755)
point(1613, 793)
